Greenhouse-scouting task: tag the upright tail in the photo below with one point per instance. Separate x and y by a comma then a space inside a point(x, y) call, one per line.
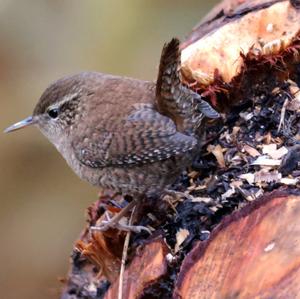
point(175, 100)
point(168, 79)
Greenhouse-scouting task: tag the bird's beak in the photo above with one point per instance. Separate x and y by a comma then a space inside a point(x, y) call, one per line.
point(21, 124)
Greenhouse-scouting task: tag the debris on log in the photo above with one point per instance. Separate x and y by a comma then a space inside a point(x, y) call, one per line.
point(241, 194)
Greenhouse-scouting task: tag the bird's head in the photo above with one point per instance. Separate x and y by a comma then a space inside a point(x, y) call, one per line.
point(59, 107)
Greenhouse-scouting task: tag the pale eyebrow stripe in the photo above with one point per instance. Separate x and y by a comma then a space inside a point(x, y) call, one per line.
point(65, 99)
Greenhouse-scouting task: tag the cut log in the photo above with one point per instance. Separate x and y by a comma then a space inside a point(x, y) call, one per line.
point(254, 253)
point(147, 267)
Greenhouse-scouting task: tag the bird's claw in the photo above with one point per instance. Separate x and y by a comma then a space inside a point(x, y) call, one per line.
point(177, 195)
point(105, 225)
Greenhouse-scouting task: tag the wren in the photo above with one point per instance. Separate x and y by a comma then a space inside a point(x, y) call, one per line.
point(131, 136)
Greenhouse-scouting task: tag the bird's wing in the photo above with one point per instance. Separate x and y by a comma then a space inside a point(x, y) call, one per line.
point(145, 136)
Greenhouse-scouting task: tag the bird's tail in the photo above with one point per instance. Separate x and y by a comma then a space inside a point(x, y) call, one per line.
point(173, 98)
point(168, 79)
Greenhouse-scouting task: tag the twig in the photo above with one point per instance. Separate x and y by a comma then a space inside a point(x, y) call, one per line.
point(124, 257)
point(282, 115)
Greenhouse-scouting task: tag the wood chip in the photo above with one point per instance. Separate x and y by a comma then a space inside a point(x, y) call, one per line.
point(251, 150)
point(181, 235)
point(193, 174)
point(246, 115)
point(196, 188)
point(265, 161)
point(217, 151)
point(289, 181)
point(269, 148)
point(294, 104)
point(267, 176)
point(228, 193)
point(236, 184)
point(249, 177)
point(267, 138)
point(272, 151)
point(202, 199)
point(279, 153)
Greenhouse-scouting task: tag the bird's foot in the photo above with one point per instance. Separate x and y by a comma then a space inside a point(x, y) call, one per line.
point(173, 197)
point(109, 224)
point(177, 195)
point(116, 222)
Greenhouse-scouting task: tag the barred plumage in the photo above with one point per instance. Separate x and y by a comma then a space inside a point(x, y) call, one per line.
point(175, 100)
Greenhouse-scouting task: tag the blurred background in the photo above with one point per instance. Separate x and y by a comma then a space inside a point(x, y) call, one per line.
point(43, 203)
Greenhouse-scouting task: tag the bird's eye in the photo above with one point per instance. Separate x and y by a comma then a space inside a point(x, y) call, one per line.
point(53, 113)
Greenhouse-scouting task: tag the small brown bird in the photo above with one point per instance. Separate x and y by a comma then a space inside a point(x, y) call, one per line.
point(131, 136)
